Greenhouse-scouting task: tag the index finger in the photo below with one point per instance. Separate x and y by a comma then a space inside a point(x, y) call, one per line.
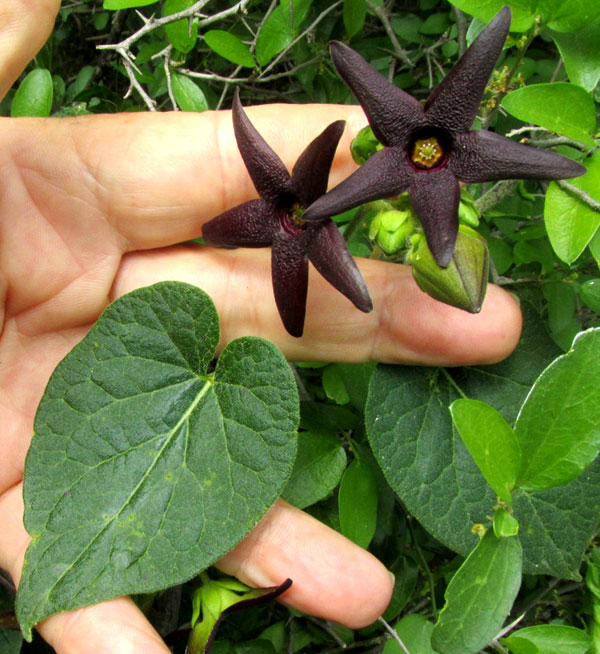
point(158, 177)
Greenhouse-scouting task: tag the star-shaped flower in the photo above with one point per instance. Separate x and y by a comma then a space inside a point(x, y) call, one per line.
point(276, 219)
point(429, 149)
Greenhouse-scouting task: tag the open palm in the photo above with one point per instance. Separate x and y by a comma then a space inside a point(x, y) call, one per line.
point(94, 207)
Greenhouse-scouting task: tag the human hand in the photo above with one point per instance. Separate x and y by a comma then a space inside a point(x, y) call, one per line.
point(92, 208)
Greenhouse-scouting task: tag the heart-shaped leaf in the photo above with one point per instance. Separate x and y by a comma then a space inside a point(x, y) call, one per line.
point(145, 468)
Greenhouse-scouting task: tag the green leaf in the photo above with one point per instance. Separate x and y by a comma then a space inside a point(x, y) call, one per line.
point(560, 107)
point(180, 34)
point(279, 29)
point(548, 639)
point(580, 52)
point(319, 466)
point(34, 95)
point(435, 24)
point(354, 14)
point(410, 431)
point(229, 47)
point(568, 15)
point(561, 305)
point(523, 12)
point(415, 632)
point(144, 469)
point(479, 596)
point(126, 4)
point(406, 573)
point(570, 222)
point(589, 292)
point(333, 385)
point(491, 442)
point(357, 502)
point(10, 641)
point(559, 425)
point(188, 94)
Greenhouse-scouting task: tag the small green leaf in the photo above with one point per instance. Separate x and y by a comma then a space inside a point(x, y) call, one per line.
point(435, 24)
point(561, 305)
point(357, 502)
point(334, 386)
point(188, 94)
point(354, 14)
point(278, 30)
point(523, 13)
point(126, 4)
point(415, 632)
point(580, 52)
point(34, 95)
point(491, 442)
point(229, 47)
point(505, 525)
point(180, 34)
point(319, 466)
point(144, 469)
point(10, 641)
point(570, 222)
point(561, 107)
point(479, 596)
point(559, 424)
point(548, 639)
point(589, 292)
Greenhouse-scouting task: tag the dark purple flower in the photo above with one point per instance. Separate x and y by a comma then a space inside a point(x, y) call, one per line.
point(429, 149)
point(276, 219)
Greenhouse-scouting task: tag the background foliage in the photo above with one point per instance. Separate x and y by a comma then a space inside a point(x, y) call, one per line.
point(405, 461)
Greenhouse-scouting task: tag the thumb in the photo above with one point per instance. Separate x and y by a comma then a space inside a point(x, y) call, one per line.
point(24, 27)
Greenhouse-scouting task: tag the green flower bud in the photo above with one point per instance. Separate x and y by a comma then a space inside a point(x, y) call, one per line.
point(463, 283)
point(468, 213)
point(364, 145)
point(390, 229)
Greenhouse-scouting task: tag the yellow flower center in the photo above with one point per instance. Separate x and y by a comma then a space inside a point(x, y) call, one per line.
point(427, 152)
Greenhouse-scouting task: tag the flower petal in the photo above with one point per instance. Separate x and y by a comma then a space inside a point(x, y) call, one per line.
point(251, 224)
point(483, 156)
point(454, 103)
point(289, 271)
point(266, 169)
point(311, 172)
point(393, 114)
point(384, 174)
point(329, 254)
point(434, 196)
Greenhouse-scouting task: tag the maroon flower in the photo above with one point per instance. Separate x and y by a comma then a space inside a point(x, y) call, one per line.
point(276, 219)
point(429, 149)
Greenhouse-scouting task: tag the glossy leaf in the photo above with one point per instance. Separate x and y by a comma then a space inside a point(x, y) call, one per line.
point(580, 52)
point(415, 632)
point(548, 639)
point(357, 502)
point(559, 425)
point(491, 442)
point(523, 13)
point(34, 95)
point(570, 222)
point(479, 596)
point(188, 94)
point(126, 4)
point(229, 47)
point(319, 466)
point(278, 30)
point(354, 14)
point(561, 107)
point(589, 292)
point(144, 469)
point(181, 35)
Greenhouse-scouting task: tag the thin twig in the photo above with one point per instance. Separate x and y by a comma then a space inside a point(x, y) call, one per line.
point(399, 51)
point(495, 194)
point(585, 197)
point(394, 635)
point(461, 25)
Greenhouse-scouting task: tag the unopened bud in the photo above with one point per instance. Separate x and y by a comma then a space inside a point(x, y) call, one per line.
point(463, 283)
point(390, 229)
point(364, 145)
